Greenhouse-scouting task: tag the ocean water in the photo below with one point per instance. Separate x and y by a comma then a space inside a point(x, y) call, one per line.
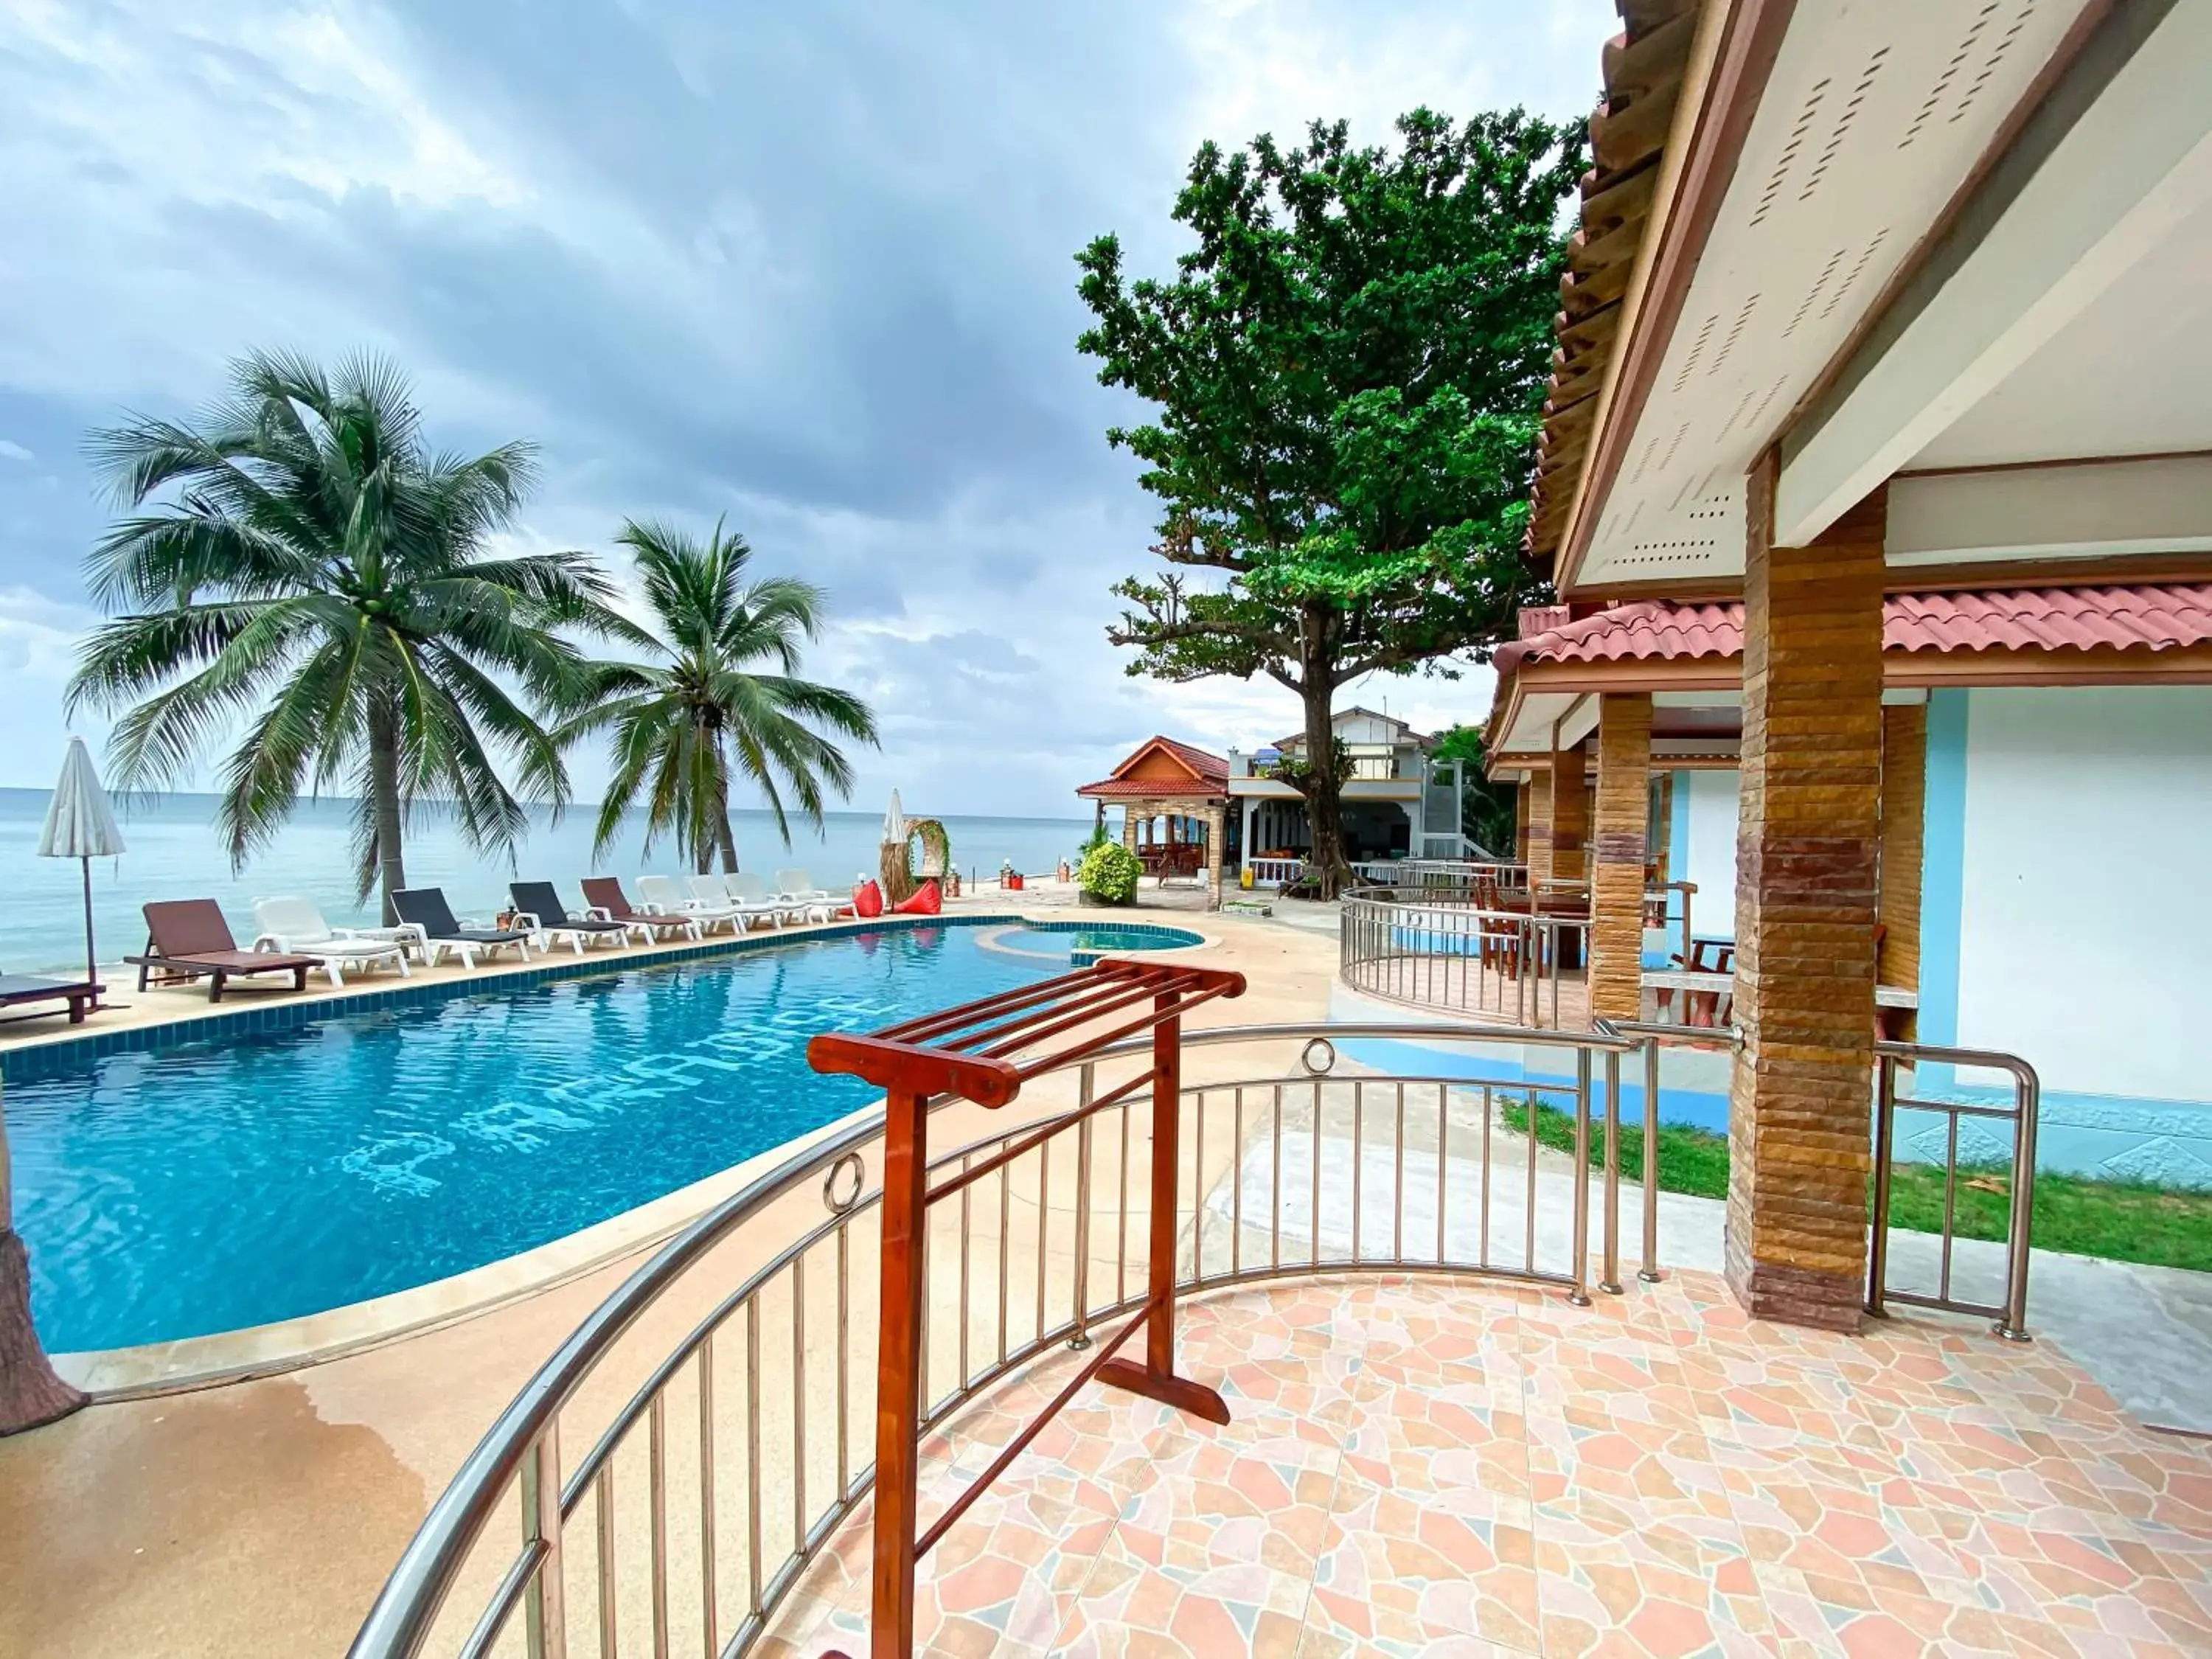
point(215, 1185)
point(175, 853)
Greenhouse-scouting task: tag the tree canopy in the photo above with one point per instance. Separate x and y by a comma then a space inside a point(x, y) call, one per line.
point(1347, 373)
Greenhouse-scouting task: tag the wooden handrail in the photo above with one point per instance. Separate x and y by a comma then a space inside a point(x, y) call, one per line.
point(919, 1060)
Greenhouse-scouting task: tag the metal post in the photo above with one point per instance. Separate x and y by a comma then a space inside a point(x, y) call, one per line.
point(1885, 1128)
point(1579, 1296)
point(1081, 1339)
point(1611, 1285)
point(898, 1407)
point(545, 1615)
point(2028, 1092)
point(1649, 1272)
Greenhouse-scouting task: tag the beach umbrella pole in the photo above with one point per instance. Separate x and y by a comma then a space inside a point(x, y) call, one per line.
point(91, 956)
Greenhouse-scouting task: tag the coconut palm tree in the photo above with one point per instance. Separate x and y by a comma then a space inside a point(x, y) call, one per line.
point(313, 582)
point(724, 701)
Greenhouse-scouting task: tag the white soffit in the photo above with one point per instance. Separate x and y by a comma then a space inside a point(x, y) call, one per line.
point(1873, 117)
point(2099, 510)
point(2127, 376)
point(1531, 731)
point(2118, 191)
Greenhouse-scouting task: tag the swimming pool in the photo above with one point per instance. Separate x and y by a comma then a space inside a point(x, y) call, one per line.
point(200, 1187)
point(1077, 943)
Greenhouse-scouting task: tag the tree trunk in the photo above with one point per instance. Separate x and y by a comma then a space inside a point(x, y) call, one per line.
point(30, 1393)
point(729, 841)
point(1324, 795)
point(384, 792)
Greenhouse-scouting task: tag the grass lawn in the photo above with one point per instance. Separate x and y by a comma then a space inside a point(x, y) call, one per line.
point(2123, 1220)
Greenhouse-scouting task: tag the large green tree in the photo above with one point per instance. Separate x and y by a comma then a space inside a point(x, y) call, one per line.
point(721, 700)
point(1347, 371)
point(300, 574)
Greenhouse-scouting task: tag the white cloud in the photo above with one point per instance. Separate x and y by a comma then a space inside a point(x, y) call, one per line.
point(15, 451)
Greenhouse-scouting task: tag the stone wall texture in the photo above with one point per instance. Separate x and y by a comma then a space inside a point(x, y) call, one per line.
point(1617, 840)
point(1808, 897)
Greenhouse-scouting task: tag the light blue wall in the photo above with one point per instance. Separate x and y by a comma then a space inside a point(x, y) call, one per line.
point(1943, 866)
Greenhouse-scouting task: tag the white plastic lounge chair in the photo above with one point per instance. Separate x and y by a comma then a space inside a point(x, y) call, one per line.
point(537, 906)
point(425, 908)
point(750, 890)
point(610, 904)
point(666, 895)
point(797, 887)
point(295, 927)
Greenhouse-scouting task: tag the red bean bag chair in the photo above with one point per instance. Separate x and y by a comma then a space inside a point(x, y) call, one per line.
point(867, 900)
point(927, 902)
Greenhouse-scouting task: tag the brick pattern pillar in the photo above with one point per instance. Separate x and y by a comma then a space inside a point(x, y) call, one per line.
point(1904, 815)
point(1521, 819)
point(1800, 1113)
point(1537, 832)
point(1618, 836)
point(1569, 815)
point(1129, 826)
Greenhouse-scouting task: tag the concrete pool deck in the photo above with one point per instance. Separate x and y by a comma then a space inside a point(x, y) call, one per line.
point(261, 1516)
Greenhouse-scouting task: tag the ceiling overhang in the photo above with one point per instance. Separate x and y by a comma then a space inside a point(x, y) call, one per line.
point(1908, 203)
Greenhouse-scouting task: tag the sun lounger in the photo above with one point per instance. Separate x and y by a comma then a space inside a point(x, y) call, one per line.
point(188, 939)
point(749, 889)
point(666, 895)
point(610, 904)
point(797, 887)
point(538, 908)
point(16, 989)
point(742, 909)
point(297, 926)
point(426, 907)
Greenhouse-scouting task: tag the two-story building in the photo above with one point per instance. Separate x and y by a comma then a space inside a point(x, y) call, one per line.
point(1399, 802)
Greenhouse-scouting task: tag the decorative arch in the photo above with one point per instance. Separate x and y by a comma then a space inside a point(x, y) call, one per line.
point(902, 875)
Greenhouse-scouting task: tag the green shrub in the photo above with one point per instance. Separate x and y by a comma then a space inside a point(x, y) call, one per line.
point(1109, 875)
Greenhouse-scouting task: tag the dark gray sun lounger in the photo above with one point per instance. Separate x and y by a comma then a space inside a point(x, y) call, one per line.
point(536, 903)
point(426, 907)
point(188, 938)
point(16, 989)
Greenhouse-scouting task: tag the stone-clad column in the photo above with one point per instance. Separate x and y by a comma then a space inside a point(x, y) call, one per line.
point(1617, 846)
point(1904, 813)
point(1800, 1115)
point(1216, 831)
point(1520, 820)
point(1536, 833)
point(1569, 815)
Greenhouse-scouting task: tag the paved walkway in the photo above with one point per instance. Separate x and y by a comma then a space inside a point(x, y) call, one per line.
point(1444, 1467)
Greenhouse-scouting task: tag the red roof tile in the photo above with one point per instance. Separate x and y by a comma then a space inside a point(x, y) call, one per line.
point(2161, 617)
point(1154, 789)
point(1212, 772)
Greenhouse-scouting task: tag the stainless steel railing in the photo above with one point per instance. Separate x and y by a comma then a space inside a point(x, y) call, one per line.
point(716, 1397)
point(2018, 1118)
point(1436, 948)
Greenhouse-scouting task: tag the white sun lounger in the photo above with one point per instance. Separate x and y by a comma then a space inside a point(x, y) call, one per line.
point(295, 927)
point(797, 887)
point(749, 889)
point(667, 896)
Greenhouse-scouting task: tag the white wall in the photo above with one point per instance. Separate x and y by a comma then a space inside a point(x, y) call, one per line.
point(2087, 899)
point(1710, 859)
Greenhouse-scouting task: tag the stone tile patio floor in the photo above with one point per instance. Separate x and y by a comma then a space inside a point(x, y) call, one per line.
point(1422, 1466)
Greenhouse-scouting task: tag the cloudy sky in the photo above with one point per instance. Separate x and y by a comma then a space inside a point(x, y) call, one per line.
point(807, 265)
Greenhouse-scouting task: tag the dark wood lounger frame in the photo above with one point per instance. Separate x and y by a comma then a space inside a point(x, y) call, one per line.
point(174, 969)
point(81, 998)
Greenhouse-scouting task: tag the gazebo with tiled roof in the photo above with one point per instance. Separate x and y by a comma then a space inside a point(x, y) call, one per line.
point(1164, 779)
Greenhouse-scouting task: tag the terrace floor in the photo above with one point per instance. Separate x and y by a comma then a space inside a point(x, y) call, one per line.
point(1447, 1467)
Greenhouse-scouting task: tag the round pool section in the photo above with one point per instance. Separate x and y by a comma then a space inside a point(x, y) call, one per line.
point(205, 1187)
point(1077, 943)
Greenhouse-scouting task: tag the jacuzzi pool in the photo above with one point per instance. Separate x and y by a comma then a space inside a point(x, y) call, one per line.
point(1074, 944)
point(269, 1174)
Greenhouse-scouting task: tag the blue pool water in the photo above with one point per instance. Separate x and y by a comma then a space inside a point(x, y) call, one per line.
point(1084, 940)
point(211, 1186)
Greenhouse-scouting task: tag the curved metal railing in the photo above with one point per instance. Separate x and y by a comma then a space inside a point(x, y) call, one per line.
point(700, 1501)
point(1438, 948)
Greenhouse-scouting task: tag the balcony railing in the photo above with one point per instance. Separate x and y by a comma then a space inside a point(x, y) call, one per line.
point(1435, 946)
point(717, 1405)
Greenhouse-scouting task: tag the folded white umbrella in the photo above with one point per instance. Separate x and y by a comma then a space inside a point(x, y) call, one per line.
point(81, 825)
